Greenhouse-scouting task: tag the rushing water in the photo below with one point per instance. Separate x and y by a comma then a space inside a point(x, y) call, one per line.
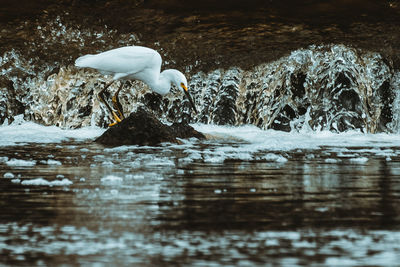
point(331, 87)
point(245, 197)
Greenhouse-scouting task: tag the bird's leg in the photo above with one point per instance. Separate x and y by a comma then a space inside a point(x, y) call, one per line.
point(101, 97)
point(117, 105)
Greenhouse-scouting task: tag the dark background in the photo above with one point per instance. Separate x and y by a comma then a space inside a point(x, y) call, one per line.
point(218, 33)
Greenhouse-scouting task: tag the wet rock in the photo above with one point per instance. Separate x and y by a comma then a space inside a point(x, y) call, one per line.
point(143, 128)
point(185, 131)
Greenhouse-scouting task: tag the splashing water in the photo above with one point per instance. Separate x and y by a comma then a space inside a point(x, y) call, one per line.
point(331, 87)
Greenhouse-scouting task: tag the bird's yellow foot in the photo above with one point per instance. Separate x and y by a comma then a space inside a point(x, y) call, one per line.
point(117, 105)
point(116, 118)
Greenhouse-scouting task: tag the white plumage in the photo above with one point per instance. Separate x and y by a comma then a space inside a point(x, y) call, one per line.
point(138, 63)
point(124, 62)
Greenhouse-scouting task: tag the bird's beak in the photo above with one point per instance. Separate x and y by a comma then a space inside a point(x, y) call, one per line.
point(189, 97)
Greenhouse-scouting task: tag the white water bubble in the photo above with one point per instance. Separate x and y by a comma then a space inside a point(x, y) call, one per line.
point(111, 180)
point(330, 160)
point(43, 182)
point(360, 160)
point(217, 191)
point(9, 175)
point(51, 162)
point(274, 158)
point(114, 192)
point(310, 156)
point(136, 176)
point(21, 163)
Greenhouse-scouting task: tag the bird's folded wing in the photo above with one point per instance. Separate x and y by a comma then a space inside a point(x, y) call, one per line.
point(125, 60)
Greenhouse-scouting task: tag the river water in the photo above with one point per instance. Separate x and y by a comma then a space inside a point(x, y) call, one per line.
point(244, 197)
point(326, 192)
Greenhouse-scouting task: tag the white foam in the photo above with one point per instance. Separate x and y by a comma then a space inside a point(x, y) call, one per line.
point(63, 182)
point(251, 138)
point(51, 162)
point(111, 179)
point(22, 132)
point(21, 163)
point(310, 156)
point(331, 160)
point(274, 157)
point(139, 176)
point(215, 158)
point(43, 182)
point(359, 160)
point(192, 155)
point(160, 162)
point(256, 139)
point(120, 148)
point(8, 175)
point(244, 156)
point(348, 155)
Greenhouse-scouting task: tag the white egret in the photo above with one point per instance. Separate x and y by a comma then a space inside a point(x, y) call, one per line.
point(134, 62)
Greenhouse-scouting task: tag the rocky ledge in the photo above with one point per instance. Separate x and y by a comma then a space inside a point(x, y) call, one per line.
point(143, 128)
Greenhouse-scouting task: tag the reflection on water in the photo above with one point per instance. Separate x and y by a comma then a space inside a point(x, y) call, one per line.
point(80, 203)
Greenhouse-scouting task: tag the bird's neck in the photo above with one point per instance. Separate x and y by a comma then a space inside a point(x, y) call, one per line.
point(161, 85)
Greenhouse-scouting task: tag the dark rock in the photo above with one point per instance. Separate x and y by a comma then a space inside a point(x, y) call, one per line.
point(143, 128)
point(185, 131)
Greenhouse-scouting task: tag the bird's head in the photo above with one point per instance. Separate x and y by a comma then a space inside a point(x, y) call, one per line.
point(179, 80)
